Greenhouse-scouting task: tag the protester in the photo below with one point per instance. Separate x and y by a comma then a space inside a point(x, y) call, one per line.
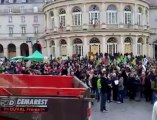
point(109, 76)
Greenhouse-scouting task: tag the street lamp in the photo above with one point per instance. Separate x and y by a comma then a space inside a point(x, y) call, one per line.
point(29, 40)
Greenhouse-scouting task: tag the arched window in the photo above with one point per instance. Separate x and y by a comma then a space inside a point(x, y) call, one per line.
point(62, 17)
point(78, 46)
point(24, 48)
point(11, 50)
point(112, 45)
point(77, 16)
point(139, 16)
point(127, 15)
point(63, 47)
point(111, 14)
point(1, 50)
point(128, 45)
point(52, 19)
point(95, 45)
point(94, 14)
point(140, 46)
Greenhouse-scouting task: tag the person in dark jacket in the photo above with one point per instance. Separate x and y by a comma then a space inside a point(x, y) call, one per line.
point(147, 88)
point(125, 78)
point(115, 86)
point(104, 86)
point(94, 89)
point(64, 71)
point(132, 86)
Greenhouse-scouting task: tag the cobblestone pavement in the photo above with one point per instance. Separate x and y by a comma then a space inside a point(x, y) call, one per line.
point(130, 110)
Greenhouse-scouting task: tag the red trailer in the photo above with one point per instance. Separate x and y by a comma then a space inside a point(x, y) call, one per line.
point(31, 97)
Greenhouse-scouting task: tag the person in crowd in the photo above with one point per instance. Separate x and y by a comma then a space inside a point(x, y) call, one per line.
point(138, 87)
point(94, 89)
point(115, 83)
point(121, 90)
point(131, 86)
point(124, 75)
point(104, 86)
point(147, 87)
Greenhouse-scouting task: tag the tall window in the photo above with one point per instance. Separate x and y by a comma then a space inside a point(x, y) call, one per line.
point(52, 19)
point(139, 16)
point(24, 1)
point(10, 30)
point(23, 19)
point(22, 9)
point(63, 45)
point(128, 45)
point(78, 47)
point(62, 18)
point(35, 19)
point(23, 28)
point(10, 9)
point(94, 14)
point(111, 15)
point(95, 45)
point(140, 46)
point(112, 46)
point(147, 17)
point(10, 19)
point(127, 15)
point(35, 29)
point(11, 1)
point(77, 16)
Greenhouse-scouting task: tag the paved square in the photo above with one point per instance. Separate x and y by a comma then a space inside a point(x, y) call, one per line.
point(130, 110)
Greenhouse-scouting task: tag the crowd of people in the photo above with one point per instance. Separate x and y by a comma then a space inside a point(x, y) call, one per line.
point(110, 77)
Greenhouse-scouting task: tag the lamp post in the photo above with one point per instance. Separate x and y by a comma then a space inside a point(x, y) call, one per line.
point(29, 40)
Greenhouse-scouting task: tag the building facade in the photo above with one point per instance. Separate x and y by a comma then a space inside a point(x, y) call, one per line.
point(21, 22)
point(153, 29)
point(64, 27)
point(83, 26)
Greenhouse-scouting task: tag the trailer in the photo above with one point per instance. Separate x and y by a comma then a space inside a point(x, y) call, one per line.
point(39, 97)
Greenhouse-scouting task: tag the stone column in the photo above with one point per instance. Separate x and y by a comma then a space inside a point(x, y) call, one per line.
point(85, 15)
point(69, 47)
point(48, 48)
point(5, 51)
point(134, 19)
point(148, 18)
point(45, 22)
point(120, 14)
point(121, 45)
point(144, 17)
point(102, 15)
point(68, 16)
point(48, 21)
point(57, 48)
point(18, 51)
point(135, 45)
point(56, 18)
point(145, 48)
point(85, 46)
point(104, 45)
point(30, 48)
